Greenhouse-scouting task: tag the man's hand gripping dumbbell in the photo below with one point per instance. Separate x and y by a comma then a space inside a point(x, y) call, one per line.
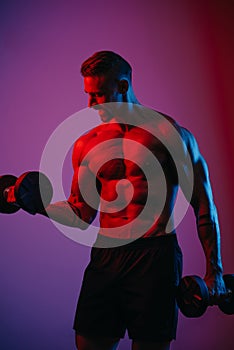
point(32, 192)
point(193, 296)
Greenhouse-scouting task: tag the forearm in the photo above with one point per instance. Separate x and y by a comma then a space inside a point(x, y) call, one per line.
point(66, 214)
point(209, 235)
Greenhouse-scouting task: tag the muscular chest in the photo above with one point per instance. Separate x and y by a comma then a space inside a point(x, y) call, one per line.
point(117, 153)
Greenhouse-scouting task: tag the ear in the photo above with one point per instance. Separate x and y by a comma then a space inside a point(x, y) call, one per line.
point(123, 86)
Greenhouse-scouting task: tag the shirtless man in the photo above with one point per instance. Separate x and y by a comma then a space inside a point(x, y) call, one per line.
point(131, 284)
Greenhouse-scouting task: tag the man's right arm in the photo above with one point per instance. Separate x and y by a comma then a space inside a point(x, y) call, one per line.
point(75, 212)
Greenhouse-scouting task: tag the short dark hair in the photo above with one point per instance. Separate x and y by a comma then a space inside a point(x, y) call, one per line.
point(105, 62)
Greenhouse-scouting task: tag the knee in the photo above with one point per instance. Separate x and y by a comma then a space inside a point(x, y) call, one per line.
point(139, 345)
point(84, 343)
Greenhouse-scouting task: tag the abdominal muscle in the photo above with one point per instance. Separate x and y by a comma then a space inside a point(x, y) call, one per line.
point(122, 208)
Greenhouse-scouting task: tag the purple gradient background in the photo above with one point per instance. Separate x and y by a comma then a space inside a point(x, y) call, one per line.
point(182, 53)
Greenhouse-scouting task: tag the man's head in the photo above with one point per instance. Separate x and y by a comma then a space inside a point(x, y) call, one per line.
point(104, 63)
point(107, 78)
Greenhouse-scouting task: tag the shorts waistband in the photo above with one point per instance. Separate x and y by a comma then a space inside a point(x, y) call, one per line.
point(109, 242)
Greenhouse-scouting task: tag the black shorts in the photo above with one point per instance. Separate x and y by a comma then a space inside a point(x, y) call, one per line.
point(131, 287)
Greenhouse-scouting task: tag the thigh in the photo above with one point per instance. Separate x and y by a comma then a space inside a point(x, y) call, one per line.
point(150, 303)
point(98, 311)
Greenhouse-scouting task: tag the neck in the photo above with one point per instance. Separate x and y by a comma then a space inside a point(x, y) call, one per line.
point(130, 97)
point(128, 113)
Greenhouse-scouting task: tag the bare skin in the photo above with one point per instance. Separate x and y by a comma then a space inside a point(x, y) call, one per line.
point(112, 344)
point(84, 343)
point(122, 207)
point(118, 209)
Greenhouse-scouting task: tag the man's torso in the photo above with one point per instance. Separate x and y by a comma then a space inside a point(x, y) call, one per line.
point(133, 169)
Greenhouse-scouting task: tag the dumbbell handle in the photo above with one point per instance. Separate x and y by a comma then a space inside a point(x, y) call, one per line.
point(217, 301)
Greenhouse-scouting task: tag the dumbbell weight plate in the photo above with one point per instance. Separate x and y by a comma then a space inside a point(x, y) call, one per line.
point(5, 182)
point(33, 191)
point(192, 296)
point(227, 306)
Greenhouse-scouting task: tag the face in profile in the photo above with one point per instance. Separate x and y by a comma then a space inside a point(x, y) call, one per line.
point(101, 90)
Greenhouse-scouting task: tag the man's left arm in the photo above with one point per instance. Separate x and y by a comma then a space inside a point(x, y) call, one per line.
point(206, 220)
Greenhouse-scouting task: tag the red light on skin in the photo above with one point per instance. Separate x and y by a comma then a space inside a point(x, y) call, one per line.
point(101, 90)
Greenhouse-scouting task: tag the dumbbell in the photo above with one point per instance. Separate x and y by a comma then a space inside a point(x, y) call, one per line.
point(193, 296)
point(32, 192)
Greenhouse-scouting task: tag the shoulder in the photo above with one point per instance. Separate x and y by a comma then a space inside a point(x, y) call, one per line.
point(165, 124)
point(191, 144)
point(84, 139)
point(82, 142)
point(179, 133)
